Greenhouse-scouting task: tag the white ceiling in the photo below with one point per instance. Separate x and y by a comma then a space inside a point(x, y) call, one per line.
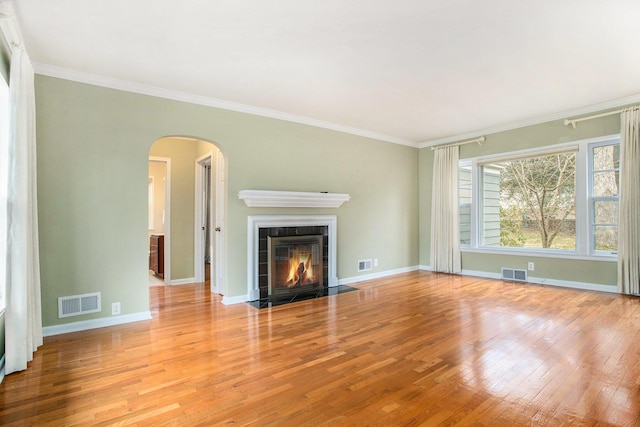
point(407, 71)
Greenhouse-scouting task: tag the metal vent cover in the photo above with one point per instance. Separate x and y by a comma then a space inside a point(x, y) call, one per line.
point(364, 265)
point(75, 305)
point(514, 274)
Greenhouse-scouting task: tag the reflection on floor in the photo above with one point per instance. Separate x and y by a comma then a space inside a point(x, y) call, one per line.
point(155, 280)
point(266, 302)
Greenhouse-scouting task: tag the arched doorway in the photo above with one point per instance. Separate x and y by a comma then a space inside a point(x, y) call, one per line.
point(194, 210)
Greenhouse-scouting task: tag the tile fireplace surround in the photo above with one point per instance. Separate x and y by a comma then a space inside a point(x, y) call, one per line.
point(257, 222)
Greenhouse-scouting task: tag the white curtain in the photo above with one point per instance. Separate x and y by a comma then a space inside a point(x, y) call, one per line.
point(445, 219)
point(629, 209)
point(23, 318)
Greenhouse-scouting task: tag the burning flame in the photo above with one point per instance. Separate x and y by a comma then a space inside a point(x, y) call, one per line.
point(300, 270)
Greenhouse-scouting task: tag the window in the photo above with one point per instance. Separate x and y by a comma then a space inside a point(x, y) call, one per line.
point(535, 200)
point(604, 174)
point(464, 192)
point(4, 176)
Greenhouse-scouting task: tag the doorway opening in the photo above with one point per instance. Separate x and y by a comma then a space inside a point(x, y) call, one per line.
point(159, 214)
point(209, 221)
point(193, 213)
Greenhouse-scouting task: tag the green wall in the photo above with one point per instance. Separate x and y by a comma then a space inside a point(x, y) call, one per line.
point(93, 148)
point(549, 133)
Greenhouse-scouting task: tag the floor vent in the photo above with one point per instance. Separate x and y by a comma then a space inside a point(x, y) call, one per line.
point(75, 305)
point(364, 265)
point(514, 274)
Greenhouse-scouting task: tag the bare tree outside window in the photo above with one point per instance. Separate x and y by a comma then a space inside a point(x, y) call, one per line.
point(537, 201)
point(605, 186)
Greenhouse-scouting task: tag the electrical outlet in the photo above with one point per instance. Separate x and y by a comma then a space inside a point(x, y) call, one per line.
point(531, 266)
point(115, 308)
point(375, 262)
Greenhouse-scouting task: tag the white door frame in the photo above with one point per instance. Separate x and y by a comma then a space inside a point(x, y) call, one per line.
point(220, 230)
point(198, 236)
point(167, 216)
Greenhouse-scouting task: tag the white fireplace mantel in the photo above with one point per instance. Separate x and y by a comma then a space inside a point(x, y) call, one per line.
point(291, 199)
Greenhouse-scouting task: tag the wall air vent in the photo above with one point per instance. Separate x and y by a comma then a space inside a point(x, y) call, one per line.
point(75, 305)
point(364, 265)
point(514, 274)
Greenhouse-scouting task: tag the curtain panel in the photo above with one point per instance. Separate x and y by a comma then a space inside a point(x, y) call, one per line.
point(23, 312)
point(629, 209)
point(445, 218)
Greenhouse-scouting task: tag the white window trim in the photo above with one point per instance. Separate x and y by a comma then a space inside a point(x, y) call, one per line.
point(583, 223)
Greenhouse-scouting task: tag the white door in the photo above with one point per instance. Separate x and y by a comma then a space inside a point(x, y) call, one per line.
point(220, 286)
point(203, 233)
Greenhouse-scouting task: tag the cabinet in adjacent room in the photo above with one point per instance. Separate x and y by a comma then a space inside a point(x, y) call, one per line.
point(156, 254)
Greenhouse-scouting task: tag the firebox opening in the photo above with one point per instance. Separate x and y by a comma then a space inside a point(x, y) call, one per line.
point(295, 265)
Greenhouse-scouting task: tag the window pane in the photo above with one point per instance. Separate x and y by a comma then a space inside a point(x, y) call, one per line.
point(606, 183)
point(604, 192)
point(605, 212)
point(464, 184)
point(530, 202)
point(606, 157)
point(606, 238)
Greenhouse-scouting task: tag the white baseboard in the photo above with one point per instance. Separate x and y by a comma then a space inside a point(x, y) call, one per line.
point(187, 281)
point(349, 280)
point(575, 285)
point(551, 282)
point(234, 300)
point(485, 274)
point(473, 273)
point(102, 322)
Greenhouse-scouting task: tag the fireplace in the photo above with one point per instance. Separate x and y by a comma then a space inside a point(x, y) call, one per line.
point(295, 265)
point(292, 261)
point(290, 255)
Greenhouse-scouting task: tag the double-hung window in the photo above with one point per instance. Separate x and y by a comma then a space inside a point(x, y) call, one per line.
point(604, 182)
point(560, 199)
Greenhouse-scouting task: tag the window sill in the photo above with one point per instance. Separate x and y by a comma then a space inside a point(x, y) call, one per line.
point(540, 254)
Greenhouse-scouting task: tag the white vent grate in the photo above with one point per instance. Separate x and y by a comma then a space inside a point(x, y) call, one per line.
point(75, 305)
point(514, 274)
point(364, 265)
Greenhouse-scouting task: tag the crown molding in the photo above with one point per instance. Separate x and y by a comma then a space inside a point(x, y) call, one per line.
point(615, 103)
point(128, 86)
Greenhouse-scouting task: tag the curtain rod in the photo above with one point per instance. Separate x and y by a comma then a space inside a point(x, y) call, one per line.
point(572, 122)
point(471, 141)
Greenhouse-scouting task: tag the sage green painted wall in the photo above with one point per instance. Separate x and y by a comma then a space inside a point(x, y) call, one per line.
point(550, 133)
point(93, 148)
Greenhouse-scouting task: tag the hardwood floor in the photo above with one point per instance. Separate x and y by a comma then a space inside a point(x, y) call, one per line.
point(413, 349)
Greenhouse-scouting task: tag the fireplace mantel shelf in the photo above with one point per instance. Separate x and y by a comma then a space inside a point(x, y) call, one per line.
point(291, 199)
